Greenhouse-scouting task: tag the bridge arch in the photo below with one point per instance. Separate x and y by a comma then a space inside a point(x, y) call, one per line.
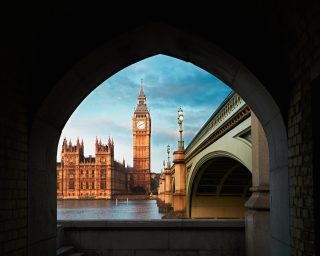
point(220, 188)
point(115, 55)
point(194, 172)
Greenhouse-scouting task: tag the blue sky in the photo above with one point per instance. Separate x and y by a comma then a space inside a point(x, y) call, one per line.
point(168, 84)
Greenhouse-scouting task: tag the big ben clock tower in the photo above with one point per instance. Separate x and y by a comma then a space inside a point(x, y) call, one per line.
point(141, 131)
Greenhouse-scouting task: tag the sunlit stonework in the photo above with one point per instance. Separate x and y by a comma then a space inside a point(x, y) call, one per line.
point(80, 177)
point(100, 176)
point(141, 131)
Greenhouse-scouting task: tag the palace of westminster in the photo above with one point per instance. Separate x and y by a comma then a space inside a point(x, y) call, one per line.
point(80, 177)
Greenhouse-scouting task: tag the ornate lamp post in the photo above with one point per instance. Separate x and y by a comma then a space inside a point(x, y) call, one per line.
point(180, 121)
point(179, 204)
point(168, 151)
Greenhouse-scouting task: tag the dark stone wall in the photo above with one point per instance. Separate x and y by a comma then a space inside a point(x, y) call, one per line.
point(13, 155)
point(304, 66)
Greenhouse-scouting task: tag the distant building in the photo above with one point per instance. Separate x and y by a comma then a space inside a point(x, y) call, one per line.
point(80, 177)
point(141, 132)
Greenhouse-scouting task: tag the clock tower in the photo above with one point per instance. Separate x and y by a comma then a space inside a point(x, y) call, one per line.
point(141, 131)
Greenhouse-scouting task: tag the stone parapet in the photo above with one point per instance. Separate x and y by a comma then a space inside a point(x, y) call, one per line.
point(157, 237)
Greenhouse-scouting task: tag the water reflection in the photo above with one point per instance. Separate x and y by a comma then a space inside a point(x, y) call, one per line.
point(107, 209)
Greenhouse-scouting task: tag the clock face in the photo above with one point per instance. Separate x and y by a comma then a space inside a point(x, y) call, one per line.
point(141, 124)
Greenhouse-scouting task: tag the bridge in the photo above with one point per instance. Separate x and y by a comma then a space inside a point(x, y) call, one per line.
point(213, 177)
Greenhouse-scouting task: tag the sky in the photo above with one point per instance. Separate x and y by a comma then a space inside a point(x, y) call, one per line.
point(168, 84)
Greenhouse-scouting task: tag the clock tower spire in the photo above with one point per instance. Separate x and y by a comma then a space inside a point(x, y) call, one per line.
point(141, 131)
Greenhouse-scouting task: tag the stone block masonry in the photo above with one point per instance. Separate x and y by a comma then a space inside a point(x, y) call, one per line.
point(13, 163)
point(304, 55)
point(164, 237)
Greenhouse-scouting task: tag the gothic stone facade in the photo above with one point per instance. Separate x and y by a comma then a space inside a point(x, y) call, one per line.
point(141, 131)
point(80, 177)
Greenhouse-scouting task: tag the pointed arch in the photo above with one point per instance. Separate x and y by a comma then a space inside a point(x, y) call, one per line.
point(115, 55)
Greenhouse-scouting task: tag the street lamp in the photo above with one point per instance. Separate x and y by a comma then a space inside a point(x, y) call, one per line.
point(180, 121)
point(164, 167)
point(168, 151)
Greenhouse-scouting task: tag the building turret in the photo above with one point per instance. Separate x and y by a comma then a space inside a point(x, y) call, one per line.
point(64, 150)
point(82, 147)
point(97, 145)
point(80, 150)
point(64, 145)
point(78, 144)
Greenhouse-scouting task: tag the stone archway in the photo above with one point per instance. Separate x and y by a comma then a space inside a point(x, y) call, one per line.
point(103, 63)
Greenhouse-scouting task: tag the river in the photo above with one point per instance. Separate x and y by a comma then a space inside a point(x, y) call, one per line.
point(107, 209)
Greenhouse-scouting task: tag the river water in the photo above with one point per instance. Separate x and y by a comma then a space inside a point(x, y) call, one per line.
point(107, 209)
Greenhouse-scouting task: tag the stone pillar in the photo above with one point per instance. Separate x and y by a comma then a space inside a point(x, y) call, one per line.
point(159, 187)
point(163, 184)
point(180, 183)
point(160, 200)
point(168, 187)
point(257, 217)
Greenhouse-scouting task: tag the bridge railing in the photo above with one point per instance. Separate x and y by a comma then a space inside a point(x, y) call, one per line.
point(226, 111)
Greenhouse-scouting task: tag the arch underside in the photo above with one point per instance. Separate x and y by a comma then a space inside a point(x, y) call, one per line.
point(220, 189)
point(115, 55)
